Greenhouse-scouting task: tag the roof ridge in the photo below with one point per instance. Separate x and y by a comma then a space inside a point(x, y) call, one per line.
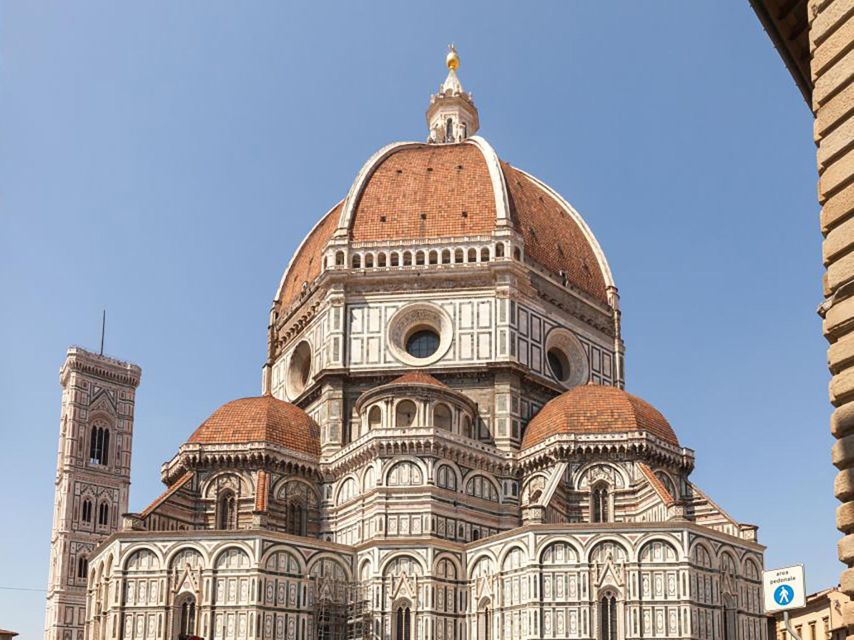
point(170, 490)
point(656, 483)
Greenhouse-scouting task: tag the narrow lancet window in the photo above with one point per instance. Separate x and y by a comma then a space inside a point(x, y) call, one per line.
point(600, 503)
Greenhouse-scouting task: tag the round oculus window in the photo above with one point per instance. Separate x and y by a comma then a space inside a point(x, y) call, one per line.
point(419, 333)
point(422, 343)
point(559, 364)
point(566, 360)
point(299, 370)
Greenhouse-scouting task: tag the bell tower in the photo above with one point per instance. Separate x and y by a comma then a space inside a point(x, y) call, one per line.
point(92, 478)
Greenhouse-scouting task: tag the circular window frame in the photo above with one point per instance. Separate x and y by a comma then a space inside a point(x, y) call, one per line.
point(419, 316)
point(295, 387)
point(563, 363)
point(421, 329)
point(570, 347)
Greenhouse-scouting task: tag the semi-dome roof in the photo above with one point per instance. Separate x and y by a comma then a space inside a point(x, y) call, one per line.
point(418, 377)
point(591, 409)
point(260, 419)
point(410, 191)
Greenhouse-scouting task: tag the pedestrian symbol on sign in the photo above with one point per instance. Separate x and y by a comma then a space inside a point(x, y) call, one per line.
point(783, 594)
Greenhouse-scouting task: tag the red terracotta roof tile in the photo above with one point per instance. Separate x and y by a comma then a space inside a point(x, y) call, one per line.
point(422, 192)
point(552, 238)
point(418, 377)
point(445, 191)
point(305, 266)
point(596, 409)
point(260, 419)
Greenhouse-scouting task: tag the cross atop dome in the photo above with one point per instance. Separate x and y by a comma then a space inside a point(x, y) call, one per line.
point(451, 115)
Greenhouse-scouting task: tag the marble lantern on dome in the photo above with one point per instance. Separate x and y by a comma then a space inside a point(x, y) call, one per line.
point(442, 449)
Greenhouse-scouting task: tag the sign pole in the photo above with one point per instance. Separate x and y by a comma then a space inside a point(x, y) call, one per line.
point(788, 626)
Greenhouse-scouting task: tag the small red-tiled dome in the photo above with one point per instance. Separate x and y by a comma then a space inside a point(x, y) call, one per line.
point(260, 419)
point(590, 409)
point(418, 377)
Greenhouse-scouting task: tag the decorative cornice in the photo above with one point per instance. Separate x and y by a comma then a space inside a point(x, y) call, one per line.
point(101, 366)
point(420, 441)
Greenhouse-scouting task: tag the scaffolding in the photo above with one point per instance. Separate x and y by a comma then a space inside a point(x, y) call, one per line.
point(353, 620)
point(360, 620)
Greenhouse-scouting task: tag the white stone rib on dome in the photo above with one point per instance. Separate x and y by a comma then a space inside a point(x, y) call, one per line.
point(493, 164)
point(496, 175)
point(296, 253)
point(367, 170)
point(582, 224)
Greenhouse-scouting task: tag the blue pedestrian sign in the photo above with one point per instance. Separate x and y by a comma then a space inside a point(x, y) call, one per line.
point(783, 594)
point(784, 589)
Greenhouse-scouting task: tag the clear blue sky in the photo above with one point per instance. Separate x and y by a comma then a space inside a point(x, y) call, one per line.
point(164, 160)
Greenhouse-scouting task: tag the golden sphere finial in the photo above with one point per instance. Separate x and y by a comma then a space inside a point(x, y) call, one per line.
point(452, 59)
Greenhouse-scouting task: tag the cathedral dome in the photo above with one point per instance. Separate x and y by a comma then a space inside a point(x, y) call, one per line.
point(421, 191)
point(594, 409)
point(260, 419)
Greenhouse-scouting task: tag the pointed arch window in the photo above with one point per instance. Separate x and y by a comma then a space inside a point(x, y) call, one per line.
point(600, 507)
point(296, 518)
point(484, 623)
point(86, 511)
point(449, 130)
point(227, 511)
point(608, 616)
point(403, 623)
point(99, 445)
point(82, 567)
point(103, 514)
point(187, 626)
point(729, 622)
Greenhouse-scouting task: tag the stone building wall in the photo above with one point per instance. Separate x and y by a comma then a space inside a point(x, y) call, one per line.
point(544, 581)
point(831, 39)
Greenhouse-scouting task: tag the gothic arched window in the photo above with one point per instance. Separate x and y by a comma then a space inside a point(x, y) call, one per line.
point(730, 622)
point(608, 616)
point(99, 445)
point(449, 130)
point(103, 514)
point(82, 567)
point(226, 511)
point(484, 623)
point(600, 503)
point(403, 623)
point(296, 517)
point(188, 618)
point(86, 511)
